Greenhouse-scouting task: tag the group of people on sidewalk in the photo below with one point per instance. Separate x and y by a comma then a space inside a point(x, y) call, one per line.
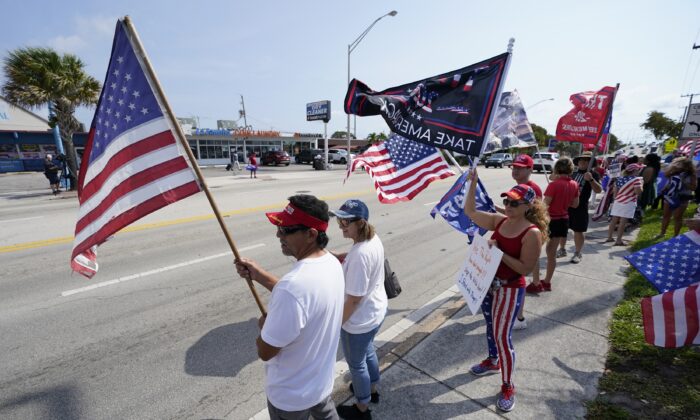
point(327, 299)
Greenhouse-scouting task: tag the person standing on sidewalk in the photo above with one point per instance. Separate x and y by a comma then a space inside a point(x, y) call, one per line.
point(51, 173)
point(365, 306)
point(560, 194)
point(520, 171)
point(627, 189)
point(519, 234)
point(578, 216)
point(299, 336)
point(252, 165)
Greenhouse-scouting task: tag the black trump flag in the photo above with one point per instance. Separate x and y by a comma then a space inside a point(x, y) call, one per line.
point(450, 111)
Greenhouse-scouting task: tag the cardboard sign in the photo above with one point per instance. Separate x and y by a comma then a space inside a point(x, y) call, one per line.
point(478, 271)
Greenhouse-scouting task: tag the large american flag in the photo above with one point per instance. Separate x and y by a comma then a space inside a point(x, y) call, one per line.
point(671, 264)
point(401, 168)
point(671, 319)
point(132, 164)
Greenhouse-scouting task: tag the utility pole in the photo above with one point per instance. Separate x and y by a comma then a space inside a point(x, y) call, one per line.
point(242, 113)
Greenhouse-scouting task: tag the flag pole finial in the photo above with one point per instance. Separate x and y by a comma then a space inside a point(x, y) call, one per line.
point(510, 44)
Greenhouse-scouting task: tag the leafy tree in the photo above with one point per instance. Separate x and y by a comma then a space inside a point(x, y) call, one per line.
point(381, 136)
point(541, 135)
point(40, 76)
point(341, 135)
point(661, 126)
point(614, 143)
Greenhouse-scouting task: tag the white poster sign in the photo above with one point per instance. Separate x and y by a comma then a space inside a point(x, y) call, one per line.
point(691, 129)
point(478, 271)
point(615, 170)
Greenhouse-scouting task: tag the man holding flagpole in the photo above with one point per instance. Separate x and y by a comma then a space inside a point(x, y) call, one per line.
point(299, 336)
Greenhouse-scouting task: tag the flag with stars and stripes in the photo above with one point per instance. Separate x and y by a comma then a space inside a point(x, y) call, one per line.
point(133, 165)
point(451, 111)
point(451, 207)
point(672, 319)
point(401, 168)
point(672, 264)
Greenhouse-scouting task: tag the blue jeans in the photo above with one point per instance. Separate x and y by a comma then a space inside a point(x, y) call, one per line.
point(362, 360)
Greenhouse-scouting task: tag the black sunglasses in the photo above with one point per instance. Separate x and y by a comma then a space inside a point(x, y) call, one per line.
point(288, 230)
point(346, 222)
point(512, 203)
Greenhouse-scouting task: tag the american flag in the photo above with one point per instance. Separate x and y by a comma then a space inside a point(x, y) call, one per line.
point(625, 188)
point(401, 168)
point(672, 264)
point(671, 319)
point(132, 164)
point(688, 147)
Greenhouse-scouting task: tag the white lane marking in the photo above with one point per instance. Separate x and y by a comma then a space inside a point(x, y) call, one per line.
point(341, 366)
point(431, 203)
point(154, 271)
point(23, 218)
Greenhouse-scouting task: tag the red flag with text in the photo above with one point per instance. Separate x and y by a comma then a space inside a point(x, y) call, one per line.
point(584, 123)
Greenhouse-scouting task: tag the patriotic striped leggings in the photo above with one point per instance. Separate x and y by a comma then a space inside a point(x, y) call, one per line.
point(500, 310)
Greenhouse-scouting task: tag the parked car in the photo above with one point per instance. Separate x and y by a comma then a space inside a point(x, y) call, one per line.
point(339, 155)
point(276, 157)
point(499, 160)
point(307, 155)
point(544, 161)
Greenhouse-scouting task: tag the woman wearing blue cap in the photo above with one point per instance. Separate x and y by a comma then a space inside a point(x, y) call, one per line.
point(365, 305)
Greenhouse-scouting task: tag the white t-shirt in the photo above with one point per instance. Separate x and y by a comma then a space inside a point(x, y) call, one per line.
point(364, 276)
point(304, 316)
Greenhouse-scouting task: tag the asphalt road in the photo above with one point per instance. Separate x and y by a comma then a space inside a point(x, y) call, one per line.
point(167, 329)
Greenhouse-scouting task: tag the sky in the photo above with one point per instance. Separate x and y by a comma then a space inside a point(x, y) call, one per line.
point(281, 55)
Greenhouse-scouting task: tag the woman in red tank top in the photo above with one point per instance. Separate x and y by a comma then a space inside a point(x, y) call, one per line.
point(519, 233)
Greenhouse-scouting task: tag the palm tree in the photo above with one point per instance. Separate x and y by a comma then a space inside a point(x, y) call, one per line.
point(40, 76)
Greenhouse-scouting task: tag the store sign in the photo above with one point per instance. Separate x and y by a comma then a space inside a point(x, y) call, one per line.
point(320, 110)
point(210, 132)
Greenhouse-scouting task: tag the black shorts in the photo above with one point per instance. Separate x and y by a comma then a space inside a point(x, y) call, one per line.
point(558, 228)
point(578, 218)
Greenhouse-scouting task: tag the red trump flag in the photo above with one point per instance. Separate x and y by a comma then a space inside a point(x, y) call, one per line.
point(584, 123)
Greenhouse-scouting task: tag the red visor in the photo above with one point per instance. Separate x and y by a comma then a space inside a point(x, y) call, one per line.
point(292, 215)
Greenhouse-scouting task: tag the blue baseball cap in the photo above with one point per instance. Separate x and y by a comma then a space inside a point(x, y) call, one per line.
point(352, 209)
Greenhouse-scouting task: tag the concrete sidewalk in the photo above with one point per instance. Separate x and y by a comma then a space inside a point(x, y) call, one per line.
point(560, 356)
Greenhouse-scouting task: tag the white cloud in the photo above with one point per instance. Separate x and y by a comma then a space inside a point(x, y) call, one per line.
point(100, 24)
point(70, 43)
point(87, 28)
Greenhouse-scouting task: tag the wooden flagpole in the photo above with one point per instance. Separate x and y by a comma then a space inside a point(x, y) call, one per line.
point(151, 74)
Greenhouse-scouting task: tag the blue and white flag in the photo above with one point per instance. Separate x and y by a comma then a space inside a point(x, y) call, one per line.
point(672, 264)
point(451, 207)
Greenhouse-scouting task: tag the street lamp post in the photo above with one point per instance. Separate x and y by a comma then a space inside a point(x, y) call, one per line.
point(351, 48)
point(539, 102)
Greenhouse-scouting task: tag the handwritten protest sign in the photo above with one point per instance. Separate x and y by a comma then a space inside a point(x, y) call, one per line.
point(476, 276)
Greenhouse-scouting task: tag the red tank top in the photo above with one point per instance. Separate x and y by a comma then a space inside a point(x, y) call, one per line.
point(512, 247)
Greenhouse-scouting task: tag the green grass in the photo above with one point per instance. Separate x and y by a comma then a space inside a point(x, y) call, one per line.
point(643, 381)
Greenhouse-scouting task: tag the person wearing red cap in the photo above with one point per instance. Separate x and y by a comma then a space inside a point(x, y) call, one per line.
point(520, 171)
point(299, 336)
point(519, 233)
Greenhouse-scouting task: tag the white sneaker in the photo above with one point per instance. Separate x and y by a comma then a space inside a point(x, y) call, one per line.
point(520, 325)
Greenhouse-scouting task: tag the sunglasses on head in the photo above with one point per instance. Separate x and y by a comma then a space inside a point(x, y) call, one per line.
point(288, 230)
point(512, 203)
point(346, 222)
